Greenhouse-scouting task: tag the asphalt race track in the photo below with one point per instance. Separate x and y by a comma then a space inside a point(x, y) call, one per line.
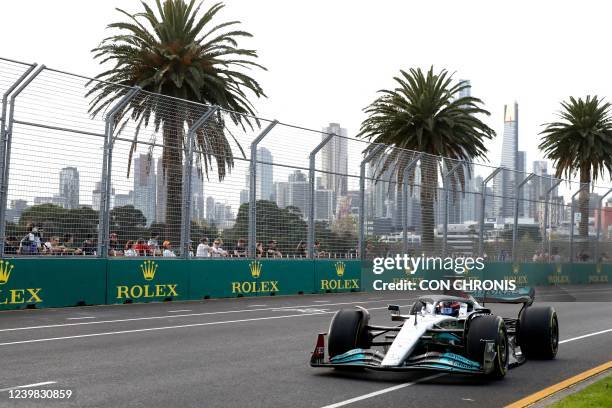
point(253, 352)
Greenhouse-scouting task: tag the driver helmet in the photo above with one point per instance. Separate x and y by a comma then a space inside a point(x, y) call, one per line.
point(448, 308)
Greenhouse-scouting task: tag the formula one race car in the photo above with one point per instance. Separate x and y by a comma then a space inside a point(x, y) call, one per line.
point(442, 333)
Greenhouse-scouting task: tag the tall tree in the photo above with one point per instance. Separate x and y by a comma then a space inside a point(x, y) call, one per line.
point(581, 142)
point(425, 113)
point(178, 51)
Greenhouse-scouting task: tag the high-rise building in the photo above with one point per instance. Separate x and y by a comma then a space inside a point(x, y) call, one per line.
point(323, 205)
point(69, 187)
point(504, 183)
point(265, 174)
point(281, 193)
point(145, 187)
point(210, 209)
point(334, 159)
point(523, 195)
point(298, 191)
point(121, 200)
point(161, 192)
point(96, 197)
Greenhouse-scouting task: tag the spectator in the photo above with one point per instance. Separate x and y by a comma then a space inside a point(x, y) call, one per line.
point(113, 245)
point(154, 243)
point(88, 247)
point(300, 250)
point(318, 253)
point(168, 250)
point(141, 248)
point(10, 246)
point(217, 251)
point(240, 249)
point(273, 251)
point(68, 244)
point(30, 244)
point(203, 250)
point(259, 250)
point(129, 249)
point(53, 247)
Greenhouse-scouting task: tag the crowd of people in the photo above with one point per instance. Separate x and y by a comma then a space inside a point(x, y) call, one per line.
point(34, 244)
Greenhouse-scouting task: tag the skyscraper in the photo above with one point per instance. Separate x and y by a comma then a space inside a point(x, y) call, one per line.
point(161, 191)
point(505, 181)
point(521, 163)
point(265, 174)
point(334, 159)
point(145, 187)
point(69, 187)
point(298, 191)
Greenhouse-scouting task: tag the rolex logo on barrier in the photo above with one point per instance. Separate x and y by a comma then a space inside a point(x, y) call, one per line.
point(255, 268)
point(148, 269)
point(148, 292)
point(5, 271)
point(249, 287)
point(15, 296)
point(521, 280)
point(599, 277)
point(339, 269)
point(558, 278)
point(335, 284)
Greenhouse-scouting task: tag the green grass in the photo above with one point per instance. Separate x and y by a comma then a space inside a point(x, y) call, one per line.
point(596, 395)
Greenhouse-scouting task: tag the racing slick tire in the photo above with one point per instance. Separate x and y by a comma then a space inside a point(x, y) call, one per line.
point(538, 333)
point(488, 327)
point(348, 331)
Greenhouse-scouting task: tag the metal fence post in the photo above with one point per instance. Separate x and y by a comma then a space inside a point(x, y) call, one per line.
point(596, 257)
point(253, 189)
point(104, 216)
point(187, 181)
point(546, 215)
point(311, 198)
point(409, 167)
point(369, 156)
point(519, 187)
point(482, 210)
point(571, 237)
point(445, 220)
point(7, 137)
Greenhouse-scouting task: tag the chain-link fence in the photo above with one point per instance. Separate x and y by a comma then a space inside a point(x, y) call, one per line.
point(96, 169)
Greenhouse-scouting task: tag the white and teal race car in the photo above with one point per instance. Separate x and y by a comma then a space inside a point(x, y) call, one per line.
point(442, 333)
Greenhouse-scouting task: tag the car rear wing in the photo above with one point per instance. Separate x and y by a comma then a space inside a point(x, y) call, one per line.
point(524, 295)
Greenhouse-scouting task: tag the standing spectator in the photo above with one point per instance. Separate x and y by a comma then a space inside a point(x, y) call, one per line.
point(273, 251)
point(168, 250)
point(203, 250)
point(10, 246)
point(154, 243)
point(129, 249)
point(53, 247)
point(30, 244)
point(300, 250)
point(259, 250)
point(240, 249)
point(217, 251)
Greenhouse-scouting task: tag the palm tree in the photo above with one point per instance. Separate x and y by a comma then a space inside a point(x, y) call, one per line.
point(178, 52)
point(580, 142)
point(425, 113)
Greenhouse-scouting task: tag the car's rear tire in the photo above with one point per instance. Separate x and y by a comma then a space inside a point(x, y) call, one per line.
point(348, 331)
point(488, 327)
point(539, 332)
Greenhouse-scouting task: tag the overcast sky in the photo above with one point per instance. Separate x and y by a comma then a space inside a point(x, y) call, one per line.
point(327, 59)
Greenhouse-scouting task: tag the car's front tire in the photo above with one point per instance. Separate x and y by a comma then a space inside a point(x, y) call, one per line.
point(539, 332)
point(348, 331)
point(488, 327)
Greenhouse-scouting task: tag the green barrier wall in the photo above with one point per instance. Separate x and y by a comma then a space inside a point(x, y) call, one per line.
point(58, 282)
point(52, 282)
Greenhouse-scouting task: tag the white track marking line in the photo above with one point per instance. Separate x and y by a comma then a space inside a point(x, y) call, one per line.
point(320, 301)
point(28, 386)
point(192, 315)
point(80, 318)
point(169, 327)
point(397, 387)
point(383, 391)
point(257, 305)
point(179, 311)
point(585, 336)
